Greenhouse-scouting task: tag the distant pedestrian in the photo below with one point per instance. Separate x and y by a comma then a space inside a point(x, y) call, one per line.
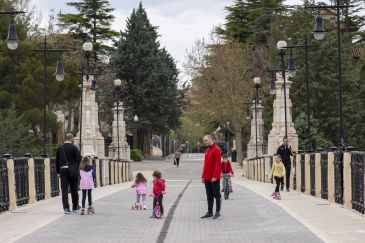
point(158, 191)
point(211, 175)
point(285, 151)
point(140, 185)
point(67, 166)
point(278, 171)
point(227, 172)
point(177, 157)
point(87, 180)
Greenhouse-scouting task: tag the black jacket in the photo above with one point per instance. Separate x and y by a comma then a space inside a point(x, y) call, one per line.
point(285, 153)
point(72, 153)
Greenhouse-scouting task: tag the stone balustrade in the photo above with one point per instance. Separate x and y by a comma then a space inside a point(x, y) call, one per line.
point(325, 175)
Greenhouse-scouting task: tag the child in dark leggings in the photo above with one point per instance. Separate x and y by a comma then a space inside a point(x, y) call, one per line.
point(278, 171)
point(158, 190)
point(87, 178)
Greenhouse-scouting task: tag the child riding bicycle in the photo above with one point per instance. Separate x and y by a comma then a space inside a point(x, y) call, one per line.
point(227, 172)
point(158, 191)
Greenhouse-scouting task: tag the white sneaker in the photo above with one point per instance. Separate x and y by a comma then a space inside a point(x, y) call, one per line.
point(144, 207)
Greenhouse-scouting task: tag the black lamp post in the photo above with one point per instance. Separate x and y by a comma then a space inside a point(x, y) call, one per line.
point(281, 45)
point(12, 40)
point(135, 138)
point(85, 70)
point(228, 138)
point(257, 82)
point(117, 84)
point(292, 72)
point(60, 74)
point(319, 34)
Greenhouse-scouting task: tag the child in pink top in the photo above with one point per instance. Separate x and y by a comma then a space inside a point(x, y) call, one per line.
point(140, 185)
point(87, 178)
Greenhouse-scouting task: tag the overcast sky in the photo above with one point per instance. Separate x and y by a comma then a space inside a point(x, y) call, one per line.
point(180, 22)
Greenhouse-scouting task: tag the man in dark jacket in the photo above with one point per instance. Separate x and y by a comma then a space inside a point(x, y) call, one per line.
point(211, 175)
point(67, 165)
point(285, 152)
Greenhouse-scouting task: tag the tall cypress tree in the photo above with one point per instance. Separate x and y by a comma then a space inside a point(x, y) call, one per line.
point(150, 77)
point(93, 21)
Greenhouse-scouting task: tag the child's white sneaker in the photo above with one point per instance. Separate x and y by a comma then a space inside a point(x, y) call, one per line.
point(144, 207)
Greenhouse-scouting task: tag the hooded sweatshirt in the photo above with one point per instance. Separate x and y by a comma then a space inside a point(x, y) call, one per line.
point(158, 186)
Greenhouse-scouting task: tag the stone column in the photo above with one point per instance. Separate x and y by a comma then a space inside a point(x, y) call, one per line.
point(331, 177)
point(92, 140)
point(298, 171)
point(307, 174)
point(318, 175)
point(47, 178)
point(124, 149)
point(251, 146)
point(31, 181)
point(347, 192)
point(277, 132)
point(11, 180)
point(98, 176)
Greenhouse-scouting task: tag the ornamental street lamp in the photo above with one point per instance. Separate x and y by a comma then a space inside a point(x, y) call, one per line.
point(60, 74)
point(319, 34)
point(281, 45)
point(12, 40)
point(117, 84)
point(257, 82)
point(87, 47)
point(135, 139)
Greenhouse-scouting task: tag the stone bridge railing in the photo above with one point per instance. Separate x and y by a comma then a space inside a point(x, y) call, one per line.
point(27, 180)
point(325, 175)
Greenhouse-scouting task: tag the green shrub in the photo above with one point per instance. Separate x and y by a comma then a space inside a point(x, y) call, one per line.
point(136, 155)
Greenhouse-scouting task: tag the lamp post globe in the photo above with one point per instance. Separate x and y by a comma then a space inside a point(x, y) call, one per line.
point(319, 32)
point(135, 118)
point(12, 40)
point(87, 46)
point(60, 71)
point(281, 45)
point(256, 80)
point(117, 83)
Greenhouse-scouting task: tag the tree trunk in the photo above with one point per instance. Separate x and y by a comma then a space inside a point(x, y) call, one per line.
point(238, 136)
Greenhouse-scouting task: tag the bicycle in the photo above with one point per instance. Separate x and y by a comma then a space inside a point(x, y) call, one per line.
point(226, 186)
point(157, 208)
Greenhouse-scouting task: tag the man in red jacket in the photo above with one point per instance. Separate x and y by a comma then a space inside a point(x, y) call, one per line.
point(211, 175)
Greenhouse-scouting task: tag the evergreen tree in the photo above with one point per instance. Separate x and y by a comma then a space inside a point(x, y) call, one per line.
point(93, 21)
point(251, 20)
point(14, 134)
point(150, 77)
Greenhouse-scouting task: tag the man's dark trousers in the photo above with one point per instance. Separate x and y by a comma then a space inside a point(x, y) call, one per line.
point(69, 181)
point(213, 192)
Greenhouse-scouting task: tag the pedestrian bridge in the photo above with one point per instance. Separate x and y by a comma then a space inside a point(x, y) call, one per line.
point(250, 215)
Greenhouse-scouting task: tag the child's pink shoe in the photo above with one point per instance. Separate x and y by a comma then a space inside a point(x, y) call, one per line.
point(278, 197)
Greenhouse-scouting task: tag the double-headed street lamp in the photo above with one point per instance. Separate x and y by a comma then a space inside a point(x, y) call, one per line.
point(60, 74)
point(12, 40)
point(117, 84)
point(319, 34)
point(292, 73)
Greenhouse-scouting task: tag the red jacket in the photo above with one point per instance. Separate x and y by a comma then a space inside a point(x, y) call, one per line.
point(227, 168)
point(158, 186)
point(212, 163)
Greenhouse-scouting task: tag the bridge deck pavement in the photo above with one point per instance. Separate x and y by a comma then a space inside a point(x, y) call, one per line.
point(246, 216)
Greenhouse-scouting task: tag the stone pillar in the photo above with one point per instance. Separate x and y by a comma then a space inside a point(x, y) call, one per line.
point(331, 177)
point(47, 178)
point(292, 174)
point(318, 175)
point(277, 132)
point(92, 140)
point(299, 174)
point(11, 179)
point(307, 174)
point(112, 172)
point(31, 181)
point(124, 149)
point(98, 176)
point(347, 190)
point(251, 146)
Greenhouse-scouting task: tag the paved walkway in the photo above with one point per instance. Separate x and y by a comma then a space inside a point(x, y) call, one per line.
point(247, 216)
